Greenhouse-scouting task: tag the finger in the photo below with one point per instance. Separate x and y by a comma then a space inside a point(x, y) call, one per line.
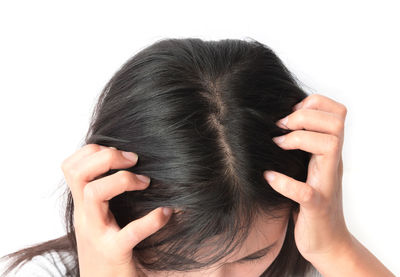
point(313, 142)
point(81, 153)
point(74, 159)
point(323, 103)
point(95, 165)
point(97, 193)
point(313, 120)
point(137, 230)
point(102, 161)
point(298, 191)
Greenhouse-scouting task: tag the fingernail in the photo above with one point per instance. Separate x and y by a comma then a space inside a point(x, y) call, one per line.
point(167, 211)
point(269, 175)
point(133, 157)
point(143, 178)
point(102, 147)
point(278, 139)
point(282, 122)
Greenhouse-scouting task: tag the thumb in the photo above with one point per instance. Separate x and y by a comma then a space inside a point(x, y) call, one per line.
point(141, 228)
point(298, 191)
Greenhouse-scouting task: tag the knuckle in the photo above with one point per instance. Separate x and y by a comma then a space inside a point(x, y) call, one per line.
point(90, 191)
point(125, 177)
point(91, 147)
point(159, 222)
point(315, 98)
point(76, 174)
point(110, 154)
point(318, 96)
point(307, 194)
point(300, 115)
point(64, 166)
point(338, 125)
point(295, 137)
point(344, 110)
point(334, 143)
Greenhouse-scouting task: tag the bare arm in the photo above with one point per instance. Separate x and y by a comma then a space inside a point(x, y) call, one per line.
point(353, 259)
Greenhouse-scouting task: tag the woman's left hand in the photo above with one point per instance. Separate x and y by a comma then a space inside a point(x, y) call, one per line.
point(318, 125)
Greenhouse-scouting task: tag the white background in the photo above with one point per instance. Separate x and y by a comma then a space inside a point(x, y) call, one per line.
point(56, 56)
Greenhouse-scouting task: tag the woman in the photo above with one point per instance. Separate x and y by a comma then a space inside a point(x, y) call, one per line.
point(231, 191)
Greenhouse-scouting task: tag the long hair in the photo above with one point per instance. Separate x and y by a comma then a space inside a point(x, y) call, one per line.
point(201, 116)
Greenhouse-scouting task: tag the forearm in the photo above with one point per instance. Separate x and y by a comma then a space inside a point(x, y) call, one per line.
point(352, 259)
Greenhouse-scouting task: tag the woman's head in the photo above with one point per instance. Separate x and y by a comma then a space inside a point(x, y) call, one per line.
point(200, 115)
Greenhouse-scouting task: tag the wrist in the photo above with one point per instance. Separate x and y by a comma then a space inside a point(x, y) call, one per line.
point(350, 258)
point(108, 271)
point(340, 255)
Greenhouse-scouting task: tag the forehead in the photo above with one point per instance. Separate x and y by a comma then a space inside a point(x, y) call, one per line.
point(264, 231)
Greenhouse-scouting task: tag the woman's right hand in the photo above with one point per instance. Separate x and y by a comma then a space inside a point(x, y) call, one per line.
point(103, 248)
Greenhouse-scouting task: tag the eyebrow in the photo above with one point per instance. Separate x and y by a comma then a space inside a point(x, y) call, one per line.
point(260, 252)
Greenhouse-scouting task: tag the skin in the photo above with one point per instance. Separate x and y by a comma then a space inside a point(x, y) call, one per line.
point(264, 232)
point(321, 235)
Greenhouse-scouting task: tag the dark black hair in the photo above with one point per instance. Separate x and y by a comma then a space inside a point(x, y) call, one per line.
point(200, 115)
